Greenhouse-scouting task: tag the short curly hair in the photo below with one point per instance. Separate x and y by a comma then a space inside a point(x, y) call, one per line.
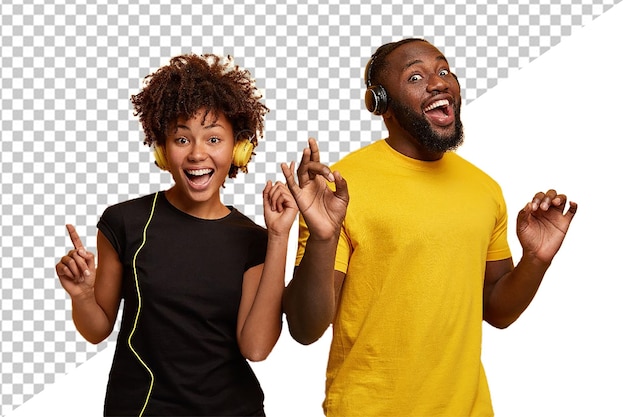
point(193, 82)
point(377, 65)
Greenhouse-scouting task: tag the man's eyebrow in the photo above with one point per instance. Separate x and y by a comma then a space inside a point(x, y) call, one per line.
point(419, 61)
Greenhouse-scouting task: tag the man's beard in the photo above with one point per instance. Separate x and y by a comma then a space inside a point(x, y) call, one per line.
point(419, 128)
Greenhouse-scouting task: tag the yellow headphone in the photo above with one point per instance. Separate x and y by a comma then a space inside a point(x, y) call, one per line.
point(159, 157)
point(242, 153)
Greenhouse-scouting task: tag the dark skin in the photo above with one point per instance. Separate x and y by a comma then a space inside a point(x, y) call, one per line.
point(418, 75)
point(310, 300)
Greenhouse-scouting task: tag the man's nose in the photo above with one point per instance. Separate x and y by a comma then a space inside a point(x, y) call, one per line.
point(437, 82)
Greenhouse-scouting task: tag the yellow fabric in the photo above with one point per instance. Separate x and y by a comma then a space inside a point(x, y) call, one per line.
point(416, 238)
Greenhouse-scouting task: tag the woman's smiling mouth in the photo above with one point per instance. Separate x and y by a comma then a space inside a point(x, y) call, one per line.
point(199, 177)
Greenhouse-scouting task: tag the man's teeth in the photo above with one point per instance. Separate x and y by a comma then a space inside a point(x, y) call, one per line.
point(199, 172)
point(436, 104)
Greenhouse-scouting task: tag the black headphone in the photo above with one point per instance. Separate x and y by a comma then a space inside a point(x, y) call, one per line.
point(376, 98)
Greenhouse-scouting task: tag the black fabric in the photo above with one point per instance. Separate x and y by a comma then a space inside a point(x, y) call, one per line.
point(190, 273)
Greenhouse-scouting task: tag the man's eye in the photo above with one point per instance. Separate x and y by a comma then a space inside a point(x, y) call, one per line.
point(415, 77)
point(444, 72)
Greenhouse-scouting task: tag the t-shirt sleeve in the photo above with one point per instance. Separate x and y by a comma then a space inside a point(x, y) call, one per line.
point(303, 235)
point(498, 245)
point(111, 225)
point(258, 247)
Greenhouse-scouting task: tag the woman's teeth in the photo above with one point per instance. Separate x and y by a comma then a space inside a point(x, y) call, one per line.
point(199, 172)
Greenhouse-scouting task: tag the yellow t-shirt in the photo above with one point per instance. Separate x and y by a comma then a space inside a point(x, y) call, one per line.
point(414, 244)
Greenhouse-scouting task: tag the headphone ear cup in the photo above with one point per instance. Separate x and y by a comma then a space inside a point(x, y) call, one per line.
point(159, 158)
point(242, 153)
point(376, 99)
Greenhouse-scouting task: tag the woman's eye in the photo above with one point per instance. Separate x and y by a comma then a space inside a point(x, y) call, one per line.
point(182, 140)
point(415, 77)
point(214, 140)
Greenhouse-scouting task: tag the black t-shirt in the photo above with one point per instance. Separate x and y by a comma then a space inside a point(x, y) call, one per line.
point(177, 351)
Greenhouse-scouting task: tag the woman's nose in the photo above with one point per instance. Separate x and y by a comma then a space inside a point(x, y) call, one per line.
point(197, 152)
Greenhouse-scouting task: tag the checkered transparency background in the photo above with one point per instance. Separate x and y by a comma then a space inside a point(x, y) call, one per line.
point(71, 145)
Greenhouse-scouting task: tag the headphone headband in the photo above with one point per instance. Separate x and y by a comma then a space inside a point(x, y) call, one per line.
point(368, 70)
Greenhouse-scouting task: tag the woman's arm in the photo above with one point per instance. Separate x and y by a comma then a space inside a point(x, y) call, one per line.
point(260, 313)
point(95, 292)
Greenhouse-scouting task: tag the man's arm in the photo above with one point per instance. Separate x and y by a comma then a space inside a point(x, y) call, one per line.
point(541, 228)
point(310, 299)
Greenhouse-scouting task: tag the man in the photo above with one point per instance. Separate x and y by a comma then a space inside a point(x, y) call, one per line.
point(419, 258)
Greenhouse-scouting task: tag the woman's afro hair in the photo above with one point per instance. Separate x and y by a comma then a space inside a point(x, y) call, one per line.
point(190, 83)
